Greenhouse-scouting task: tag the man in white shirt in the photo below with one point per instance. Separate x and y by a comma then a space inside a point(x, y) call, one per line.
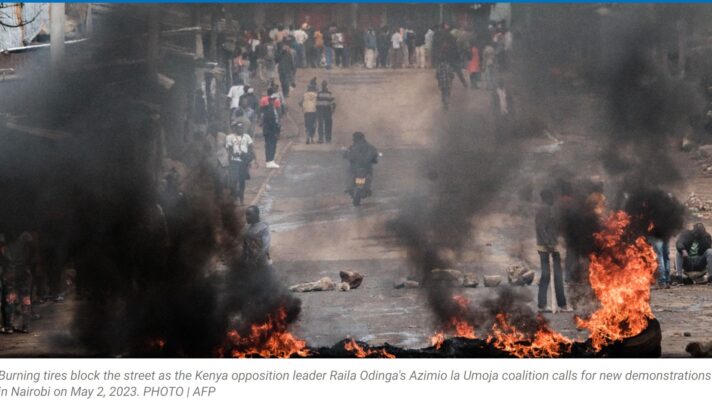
point(241, 154)
point(396, 49)
point(299, 38)
point(429, 47)
point(236, 91)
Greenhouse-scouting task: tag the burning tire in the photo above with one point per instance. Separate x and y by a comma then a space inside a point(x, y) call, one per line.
point(647, 344)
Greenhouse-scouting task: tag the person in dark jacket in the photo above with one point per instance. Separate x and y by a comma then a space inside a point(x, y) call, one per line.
point(694, 252)
point(445, 50)
point(361, 155)
point(286, 69)
point(445, 75)
point(383, 41)
point(271, 128)
point(325, 107)
point(547, 240)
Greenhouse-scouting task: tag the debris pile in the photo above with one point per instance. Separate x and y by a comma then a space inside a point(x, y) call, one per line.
point(518, 275)
point(699, 207)
point(349, 280)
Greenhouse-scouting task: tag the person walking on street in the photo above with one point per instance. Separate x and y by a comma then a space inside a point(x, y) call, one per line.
point(270, 130)
point(308, 104)
point(325, 107)
point(444, 75)
point(473, 67)
point(286, 69)
point(241, 154)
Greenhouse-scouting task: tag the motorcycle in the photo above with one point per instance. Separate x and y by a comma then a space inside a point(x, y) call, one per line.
point(361, 181)
point(360, 188)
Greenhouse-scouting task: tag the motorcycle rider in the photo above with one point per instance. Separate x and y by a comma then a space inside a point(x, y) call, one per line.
point(361, 155)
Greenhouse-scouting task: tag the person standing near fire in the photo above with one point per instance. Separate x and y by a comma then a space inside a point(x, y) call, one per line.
point(694, 254)
point(547, 240)
point(257, 237)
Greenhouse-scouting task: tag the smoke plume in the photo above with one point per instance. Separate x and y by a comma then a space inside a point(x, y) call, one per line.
point(150, 250)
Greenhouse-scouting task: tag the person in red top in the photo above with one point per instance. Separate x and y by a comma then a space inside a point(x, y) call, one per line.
point(264, 101)
point(473, 67)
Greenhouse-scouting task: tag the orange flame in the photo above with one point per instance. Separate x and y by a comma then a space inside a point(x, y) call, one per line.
point(437, 340)
point(544, 343)
point(621, 274)
point(461, 327)
point(360, 352)
point(269, 340)
point(457, 323)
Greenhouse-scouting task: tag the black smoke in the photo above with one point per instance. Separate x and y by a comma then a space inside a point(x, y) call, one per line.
point(160, 267)
point(655, 213)
point(473, 159)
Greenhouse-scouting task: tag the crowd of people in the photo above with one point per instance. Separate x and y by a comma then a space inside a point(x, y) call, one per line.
point(260, 52)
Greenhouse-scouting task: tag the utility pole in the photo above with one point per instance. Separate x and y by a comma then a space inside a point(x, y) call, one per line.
point(57, 22)
point(154, 32)
point(90, 21)
point(214, 34)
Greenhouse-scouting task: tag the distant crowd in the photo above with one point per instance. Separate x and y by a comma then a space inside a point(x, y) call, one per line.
point(261, 53)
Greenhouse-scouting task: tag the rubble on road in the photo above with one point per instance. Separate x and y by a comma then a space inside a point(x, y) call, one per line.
point(404, 283)
point(698, 349)
point(518, 275)
point(450, 276)
point(471, 280)
point(322, 285)
point(699, 207)
point(492, 280)
point(351, 278)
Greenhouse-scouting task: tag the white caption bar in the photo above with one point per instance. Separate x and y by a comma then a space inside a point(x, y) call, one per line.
point(351, 379)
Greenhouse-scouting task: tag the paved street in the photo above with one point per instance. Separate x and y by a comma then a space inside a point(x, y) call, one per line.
point(316, 232)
